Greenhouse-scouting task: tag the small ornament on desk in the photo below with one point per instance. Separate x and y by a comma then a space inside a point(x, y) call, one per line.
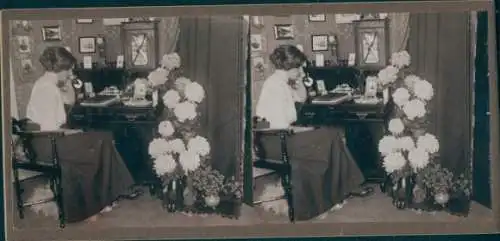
point(87, 62)
point(320, 60)
point(352, 59)
point(320, 85)
point(89, 89)
point(371, 87)
point(119, 61)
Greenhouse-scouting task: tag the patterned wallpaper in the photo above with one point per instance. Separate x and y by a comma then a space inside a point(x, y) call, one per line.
point(304, 29)
point(31, 33)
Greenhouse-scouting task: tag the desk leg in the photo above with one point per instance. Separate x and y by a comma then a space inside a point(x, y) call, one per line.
point(362, 141)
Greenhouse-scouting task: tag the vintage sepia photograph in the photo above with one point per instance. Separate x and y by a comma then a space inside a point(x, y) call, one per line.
point(376, 138)
point(261, 122)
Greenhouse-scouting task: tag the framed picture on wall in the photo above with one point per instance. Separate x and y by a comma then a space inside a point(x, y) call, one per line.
point(317, 18)
point(51, 33)
point(140, 43)
point(283, 31)
point(24, 44)
point(84, 20)
point(87, 45)
point(372, 43)
point(256, 42)
point(319, 42)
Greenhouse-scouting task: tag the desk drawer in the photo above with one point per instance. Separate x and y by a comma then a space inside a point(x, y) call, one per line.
point(325, 115)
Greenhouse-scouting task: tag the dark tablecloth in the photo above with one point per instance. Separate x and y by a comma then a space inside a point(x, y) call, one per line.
point(323, 170)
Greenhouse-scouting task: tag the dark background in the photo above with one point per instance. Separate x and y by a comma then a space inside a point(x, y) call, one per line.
point(482, 119)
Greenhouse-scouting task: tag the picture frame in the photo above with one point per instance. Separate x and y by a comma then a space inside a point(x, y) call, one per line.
point(346, 18)
point(317, 18)
point(51, 33)
point(256, 42)
point(24, 44)
point(87, 45)
point(372, 43)
point(284, 32)
point(85, 20)
point(319, 42)
point(140, 44)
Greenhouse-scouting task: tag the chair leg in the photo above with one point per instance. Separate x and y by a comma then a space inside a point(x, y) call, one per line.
point(18, 191)
point(287, 186)
point(59, 200)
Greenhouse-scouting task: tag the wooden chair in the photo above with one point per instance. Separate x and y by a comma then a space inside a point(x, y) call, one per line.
point(47, 168)
point(282, 167)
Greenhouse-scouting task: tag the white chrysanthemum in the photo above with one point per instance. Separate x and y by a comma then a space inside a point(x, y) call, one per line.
point(418, 158)
point(423, 90)
point(171, 61)
point(194, 92)
point(388, 75)
point(158, 147)
point(400, 59)
point(394, 161)
point(158, 77)
point(396, 126)
point(181, 83)
point(171, 98)
point(387, 145)
point(185, 111)
point(414, 109)
point(410, 80)
point(406, 143)
point(176, 146)
point(164, 164)
point(401, 96)
point(189, 160)
point(199, 145)
point(429, 143)
point(166, 128)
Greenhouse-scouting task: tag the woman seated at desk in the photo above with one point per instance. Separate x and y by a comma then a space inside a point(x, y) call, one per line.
point(324, 172)
point(94, 175)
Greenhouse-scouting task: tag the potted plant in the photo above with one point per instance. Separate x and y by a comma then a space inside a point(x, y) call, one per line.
point(439, 182)
point(459, 203)
point(208, 183)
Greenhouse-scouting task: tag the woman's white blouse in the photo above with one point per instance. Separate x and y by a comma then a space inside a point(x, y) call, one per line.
point(46, 105)
point(276, 102)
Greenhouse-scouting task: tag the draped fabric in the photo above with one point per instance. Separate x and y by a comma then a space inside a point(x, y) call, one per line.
point(440, 48)
point(168, 34)
point(13, 101)
point(213, 53)
point(399, 31)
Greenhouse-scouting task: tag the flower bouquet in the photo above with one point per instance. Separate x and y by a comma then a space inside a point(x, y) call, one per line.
point(181, 156)
point(407, 148)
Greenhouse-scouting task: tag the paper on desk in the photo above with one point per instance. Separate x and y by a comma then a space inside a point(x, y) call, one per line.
point(71, 131)
point(298, 129)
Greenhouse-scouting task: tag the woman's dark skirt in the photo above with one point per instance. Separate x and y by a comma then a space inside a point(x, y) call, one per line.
point(93, 172)
point(323, 170)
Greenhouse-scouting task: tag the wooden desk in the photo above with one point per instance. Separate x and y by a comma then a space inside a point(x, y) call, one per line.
point(133, 128)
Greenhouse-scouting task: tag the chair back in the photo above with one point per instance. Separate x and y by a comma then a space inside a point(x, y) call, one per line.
point(26, 140)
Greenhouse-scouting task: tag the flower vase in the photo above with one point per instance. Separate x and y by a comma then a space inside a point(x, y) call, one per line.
point(459, 204)
point(441, 198)
point(189, 194)
point(172, 195)
point(212, 201)
point(402, 196)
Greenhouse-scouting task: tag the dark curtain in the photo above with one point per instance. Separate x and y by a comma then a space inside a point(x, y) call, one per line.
point(213, 54)
point(440, 48)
